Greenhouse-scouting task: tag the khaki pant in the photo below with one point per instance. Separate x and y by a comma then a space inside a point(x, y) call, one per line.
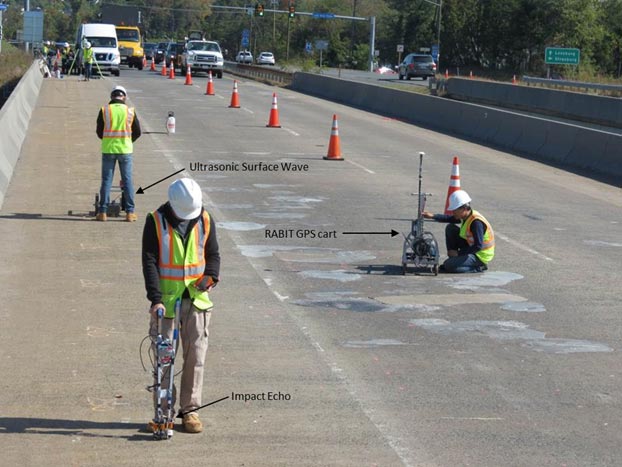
point(194, 334)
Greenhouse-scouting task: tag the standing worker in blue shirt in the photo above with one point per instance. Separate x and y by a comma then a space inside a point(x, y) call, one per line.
point(118, 127)
point(471, 246)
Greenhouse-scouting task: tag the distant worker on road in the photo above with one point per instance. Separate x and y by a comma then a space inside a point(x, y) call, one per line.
point(87, 61)
point(181, 261)
point(118, 127)
point(471, 246)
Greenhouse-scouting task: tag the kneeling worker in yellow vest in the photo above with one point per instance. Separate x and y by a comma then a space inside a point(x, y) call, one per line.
point(471, 246)
point(181, 261)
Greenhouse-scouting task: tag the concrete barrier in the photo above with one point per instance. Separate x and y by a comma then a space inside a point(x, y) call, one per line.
point(582, 107)
point(557, 143)
point(14, 120)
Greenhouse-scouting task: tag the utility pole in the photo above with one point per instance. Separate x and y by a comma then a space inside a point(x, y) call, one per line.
point(352, 31)
point(274, 5)
point(439, 4)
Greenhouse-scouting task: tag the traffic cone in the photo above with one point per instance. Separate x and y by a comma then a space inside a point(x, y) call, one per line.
point(513, 79)
point(163, 73)
point(171, 74)
point(446, 73)
point(144, 62)
point(334, 146)
point(454, 182)
point(274, 114)
point(152, 67)
point(210, 85)
point(470, 75)
point(235, 98)
point(188, 76)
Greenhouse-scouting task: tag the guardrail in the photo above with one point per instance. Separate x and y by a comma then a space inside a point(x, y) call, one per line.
point(571, 84)
point(270, 75)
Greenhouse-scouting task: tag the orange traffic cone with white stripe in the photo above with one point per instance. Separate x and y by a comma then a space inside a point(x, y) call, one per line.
point(152, 67)
point(274, 114)
point(188, 81)
point(446, 73)
point(163, 72)
point(144, 61)
point(171, 74)
point(210, 85)
point(454, 182)
point(513, 79)
point(235, 98)
point(334, 146)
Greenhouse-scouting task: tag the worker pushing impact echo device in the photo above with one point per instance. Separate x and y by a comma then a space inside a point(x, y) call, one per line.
point(420, 247)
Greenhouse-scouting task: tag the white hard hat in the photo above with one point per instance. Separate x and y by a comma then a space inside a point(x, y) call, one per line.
point(119, 89)
point(87, 44)
point(186, 198)
point(48, 43)
point(458, 198)
point(66, 44)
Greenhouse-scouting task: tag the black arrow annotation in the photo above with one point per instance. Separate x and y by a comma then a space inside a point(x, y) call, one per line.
point(180, 414)
point(141, 190)
point(393, 233)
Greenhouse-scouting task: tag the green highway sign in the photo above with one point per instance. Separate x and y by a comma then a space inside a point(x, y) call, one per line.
point(560, 56)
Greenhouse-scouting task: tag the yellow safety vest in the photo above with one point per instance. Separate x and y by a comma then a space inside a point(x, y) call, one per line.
point(488, 248)
point(88, 55)
point(117, 137)
point(181, 266)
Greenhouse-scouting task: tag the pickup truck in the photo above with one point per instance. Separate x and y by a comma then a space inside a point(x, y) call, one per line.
point(204, 56)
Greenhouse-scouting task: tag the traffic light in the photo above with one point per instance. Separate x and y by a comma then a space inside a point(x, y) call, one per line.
point(292, 11)
point(259, 9)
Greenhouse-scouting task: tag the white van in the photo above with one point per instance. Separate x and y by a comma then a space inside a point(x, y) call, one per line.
point(103, 39)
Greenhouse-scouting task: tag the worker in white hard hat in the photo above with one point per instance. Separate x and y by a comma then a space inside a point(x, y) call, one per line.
point(118, 127)
point(66, 58)
point(181, 262)
point(471, 246)
point(87, 60)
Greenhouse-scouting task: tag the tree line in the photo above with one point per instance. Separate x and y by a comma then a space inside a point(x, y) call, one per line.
point(508, 35)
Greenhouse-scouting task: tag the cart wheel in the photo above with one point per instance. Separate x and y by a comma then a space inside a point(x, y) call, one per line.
point(435, 269)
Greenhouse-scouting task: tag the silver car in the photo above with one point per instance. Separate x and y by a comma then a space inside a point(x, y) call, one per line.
point(265, 58)
point(244, 57)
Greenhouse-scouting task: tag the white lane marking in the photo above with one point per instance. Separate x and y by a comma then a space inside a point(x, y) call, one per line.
point(247, 153)
point(483, 419)
point(247, 110)
point(361, 166)
point(291, 132)
point(523, 247)
point(279, 296)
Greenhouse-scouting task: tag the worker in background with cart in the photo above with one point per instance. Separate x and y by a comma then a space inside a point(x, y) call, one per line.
point(118, 127)
point(181, 261)
point(471, 246)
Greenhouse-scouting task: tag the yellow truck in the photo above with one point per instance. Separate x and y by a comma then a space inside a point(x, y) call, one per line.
point(130, 46)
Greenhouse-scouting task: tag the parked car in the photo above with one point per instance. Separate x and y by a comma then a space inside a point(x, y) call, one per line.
point(174, 53)
point(265, 58)
point(244, 57)
point(417, 66)
point(150, 50)
point(160, 51)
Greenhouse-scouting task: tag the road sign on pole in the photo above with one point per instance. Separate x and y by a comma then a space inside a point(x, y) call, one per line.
point(561, 56)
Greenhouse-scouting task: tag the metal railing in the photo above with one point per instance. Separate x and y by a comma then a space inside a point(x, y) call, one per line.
point(572, 84)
